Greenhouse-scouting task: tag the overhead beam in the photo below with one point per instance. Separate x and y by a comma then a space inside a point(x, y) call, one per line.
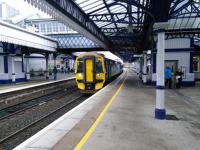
point(72, 50)
point(175, 11)
point(160, 10)
point(108, 8)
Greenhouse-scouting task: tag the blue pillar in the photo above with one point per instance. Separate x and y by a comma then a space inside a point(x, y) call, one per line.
point(191, 61)
point(154, 62)
point(6, 64)
point(22, 62)
point(47, 64)
point(5, 47)
point(13, 67)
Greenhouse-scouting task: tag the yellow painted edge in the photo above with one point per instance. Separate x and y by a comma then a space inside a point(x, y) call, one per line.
point(95, 124)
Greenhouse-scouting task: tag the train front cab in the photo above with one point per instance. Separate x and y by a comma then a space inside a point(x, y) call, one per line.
point(90, 73)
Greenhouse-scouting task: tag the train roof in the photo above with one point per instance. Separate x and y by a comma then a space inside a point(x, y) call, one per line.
point(90, 53)
point(96, 54)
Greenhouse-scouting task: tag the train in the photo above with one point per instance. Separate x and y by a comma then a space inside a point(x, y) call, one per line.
point(93, 70)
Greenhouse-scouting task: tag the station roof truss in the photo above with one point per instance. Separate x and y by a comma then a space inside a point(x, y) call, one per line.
point(121, 21)
point(184, 20)
point(125, 25)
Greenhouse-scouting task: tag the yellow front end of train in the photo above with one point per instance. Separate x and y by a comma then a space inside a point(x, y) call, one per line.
point(90, 72)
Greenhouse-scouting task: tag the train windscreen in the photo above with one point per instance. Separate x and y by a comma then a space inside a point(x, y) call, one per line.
point(80, 67)
point(99, 68)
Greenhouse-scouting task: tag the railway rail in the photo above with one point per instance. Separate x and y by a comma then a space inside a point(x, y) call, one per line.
point(23, 106)
point(20, 135)
point(19, 95)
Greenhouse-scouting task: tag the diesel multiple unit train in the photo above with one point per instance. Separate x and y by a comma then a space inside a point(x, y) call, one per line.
point(93, 70)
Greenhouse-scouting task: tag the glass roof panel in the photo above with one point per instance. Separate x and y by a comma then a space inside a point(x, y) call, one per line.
point(117, 9)
point(86, 3)
point(92, 5)
point(114, 16)
point(196, 23)
point(185, 18)
point(110, 26)
point(94, 8)
point(102, 11)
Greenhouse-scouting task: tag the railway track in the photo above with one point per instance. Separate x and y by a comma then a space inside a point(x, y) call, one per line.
point(8, 112)
point(16, 138)
point(19, 96)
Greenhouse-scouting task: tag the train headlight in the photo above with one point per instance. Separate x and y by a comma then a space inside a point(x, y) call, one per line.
point(99, 75)
point(80, 75)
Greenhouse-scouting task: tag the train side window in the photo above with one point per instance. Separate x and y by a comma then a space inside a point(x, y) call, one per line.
point(80, 67)
point(99, 67)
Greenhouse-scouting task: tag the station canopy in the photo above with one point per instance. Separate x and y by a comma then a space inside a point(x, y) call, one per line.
point(129, 24)
point(126, 25)
point(118, 20)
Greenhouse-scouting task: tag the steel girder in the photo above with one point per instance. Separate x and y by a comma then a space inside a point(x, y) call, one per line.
point(185, 13)
point(179, 7)
point(187, 8)
point(115, 23)
point(182, 33)
point(117, 18)
point(67, 41)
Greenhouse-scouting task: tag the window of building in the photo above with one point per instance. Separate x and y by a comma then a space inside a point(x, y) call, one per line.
point(196, 64)
point(36, 26)
point(62, 28)
point(11, 12)
point(0, 10)
point(42, 27)
point(49, 27)
point(55, 27)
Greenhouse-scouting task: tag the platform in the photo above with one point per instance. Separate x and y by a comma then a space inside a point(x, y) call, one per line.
point(35, 81)
point(126, 122)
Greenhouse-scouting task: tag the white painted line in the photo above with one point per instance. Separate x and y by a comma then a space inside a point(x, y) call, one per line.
point(31, 86)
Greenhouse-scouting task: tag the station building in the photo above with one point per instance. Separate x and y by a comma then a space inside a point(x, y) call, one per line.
point(18, 57)
point(179, 54)
point(148, 35)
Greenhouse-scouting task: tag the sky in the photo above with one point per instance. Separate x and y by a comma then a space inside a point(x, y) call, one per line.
point(25, 8)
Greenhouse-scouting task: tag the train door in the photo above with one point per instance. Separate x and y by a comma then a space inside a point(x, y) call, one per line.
point(89, 66)
point(173, 64)
point(107, 69)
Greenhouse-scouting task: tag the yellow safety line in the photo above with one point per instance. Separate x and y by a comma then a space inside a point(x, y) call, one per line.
point(100, 117)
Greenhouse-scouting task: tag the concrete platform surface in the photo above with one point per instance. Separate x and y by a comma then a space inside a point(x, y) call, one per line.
point(129, 123)
point(69, 123)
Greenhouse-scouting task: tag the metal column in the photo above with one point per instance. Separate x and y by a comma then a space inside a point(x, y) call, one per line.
point(13, 67)
point(27, 68)
point(160, 112)
point(47, 64)
point(144, 74)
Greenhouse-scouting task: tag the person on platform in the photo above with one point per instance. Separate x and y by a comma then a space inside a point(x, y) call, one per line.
point(178, 75)
point(55, 71)
point(168, 77)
